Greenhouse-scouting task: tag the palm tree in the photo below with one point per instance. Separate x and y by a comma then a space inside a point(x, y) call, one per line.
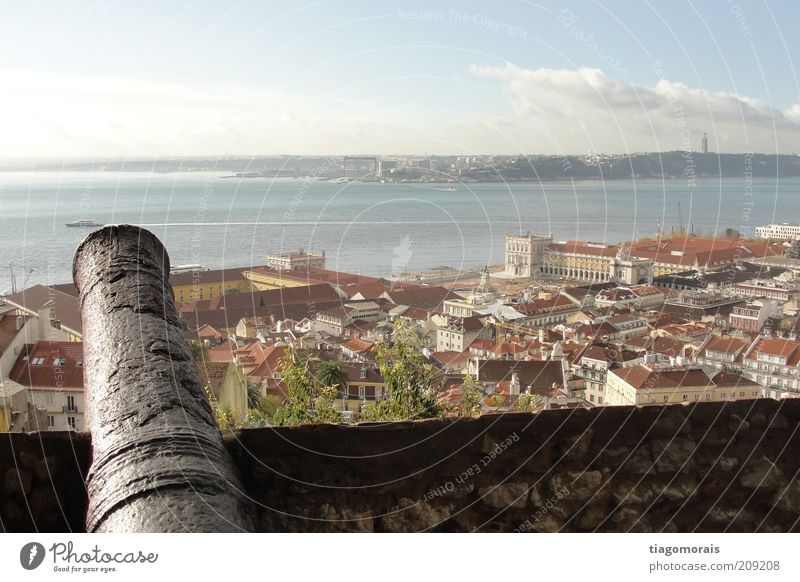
point(253, 395)
point(331, 373)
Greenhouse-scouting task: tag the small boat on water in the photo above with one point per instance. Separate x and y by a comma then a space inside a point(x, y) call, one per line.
point(84, 223)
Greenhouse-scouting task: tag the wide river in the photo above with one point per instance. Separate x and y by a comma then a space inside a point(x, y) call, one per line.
point(375, 229)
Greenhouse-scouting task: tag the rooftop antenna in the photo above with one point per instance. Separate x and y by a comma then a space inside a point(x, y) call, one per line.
point(680, 217)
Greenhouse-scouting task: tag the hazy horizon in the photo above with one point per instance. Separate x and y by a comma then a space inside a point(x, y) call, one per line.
point(141, 158)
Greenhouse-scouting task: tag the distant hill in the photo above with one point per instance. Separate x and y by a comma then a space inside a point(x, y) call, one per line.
point(653, 165)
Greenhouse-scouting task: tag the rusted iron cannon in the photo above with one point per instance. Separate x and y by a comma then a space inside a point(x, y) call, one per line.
point(159, 463)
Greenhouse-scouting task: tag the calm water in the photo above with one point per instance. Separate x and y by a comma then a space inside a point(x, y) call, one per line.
point(375, 229)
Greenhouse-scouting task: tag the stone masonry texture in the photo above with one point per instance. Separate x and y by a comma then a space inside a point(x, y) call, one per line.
point(708, 467)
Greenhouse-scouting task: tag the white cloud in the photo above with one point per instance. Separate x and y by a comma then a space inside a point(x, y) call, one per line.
point(614, 115)
point(523, 111)
point(54, 115)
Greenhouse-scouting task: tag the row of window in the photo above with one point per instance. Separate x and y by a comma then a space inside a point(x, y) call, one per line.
point(696, 396)
point(38, 361)
point(71, 422)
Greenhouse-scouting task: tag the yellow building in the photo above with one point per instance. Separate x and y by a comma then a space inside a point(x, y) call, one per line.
point(197, 286)
point(264, 279)
point(364, 385)
point(663, 384)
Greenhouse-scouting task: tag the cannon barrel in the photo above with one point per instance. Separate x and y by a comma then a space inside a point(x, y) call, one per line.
point(158, 463)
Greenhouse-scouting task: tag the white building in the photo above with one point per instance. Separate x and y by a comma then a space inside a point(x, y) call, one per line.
point(52, 374)
point(524, 253)
point(784, 231)
point(775, 364)
point(298, 260)
point(457, 333)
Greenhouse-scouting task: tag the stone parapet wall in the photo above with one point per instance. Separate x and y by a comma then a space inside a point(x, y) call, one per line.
point(702, 467)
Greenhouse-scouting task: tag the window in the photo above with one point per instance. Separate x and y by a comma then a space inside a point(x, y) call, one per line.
point(378, 392)
point(59, 361)
point(71, 422)
point(362, 392)
point(51, 421)
point(666, 398)
point(37, 361)
point(685, 397)
point(723, 395)
point(708, 396)
point(71, 404)
point(79, 363)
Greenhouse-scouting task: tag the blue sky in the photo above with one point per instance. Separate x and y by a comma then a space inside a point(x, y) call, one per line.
point(108, 77)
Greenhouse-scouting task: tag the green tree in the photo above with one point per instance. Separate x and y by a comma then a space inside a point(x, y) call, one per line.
point(497, 400)
point(253, 395)
point(471, 397)
point(264, 414)
point(224, 417)
point(409, 379)
point(325, 406)
point(332, 374)
point(527, 402)
point(299, 386)
point(198, 351)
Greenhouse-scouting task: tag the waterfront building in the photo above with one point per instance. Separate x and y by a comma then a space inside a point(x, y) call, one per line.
point(193, 286)
point(299, 260)
point(782, 231)
point(524, 253)
point(529, 255)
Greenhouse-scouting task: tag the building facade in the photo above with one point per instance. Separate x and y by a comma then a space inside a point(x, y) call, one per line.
point(299, 260)
point(783, 231)
point(524, 253)
point(774, 363)
point(753, 315)
point(528, 255)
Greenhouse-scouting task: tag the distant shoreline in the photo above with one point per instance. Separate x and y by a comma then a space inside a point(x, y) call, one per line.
point(675, 165)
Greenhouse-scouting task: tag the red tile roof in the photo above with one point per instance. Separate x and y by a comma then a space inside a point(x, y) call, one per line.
point(422, 297)
point(784, 348)
point(449, 358)
point(65, 308)
point(728, 380)
point(642, 377)
point(50, 373)
point(356, 345)
point(541, 375)
point(725, 344)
